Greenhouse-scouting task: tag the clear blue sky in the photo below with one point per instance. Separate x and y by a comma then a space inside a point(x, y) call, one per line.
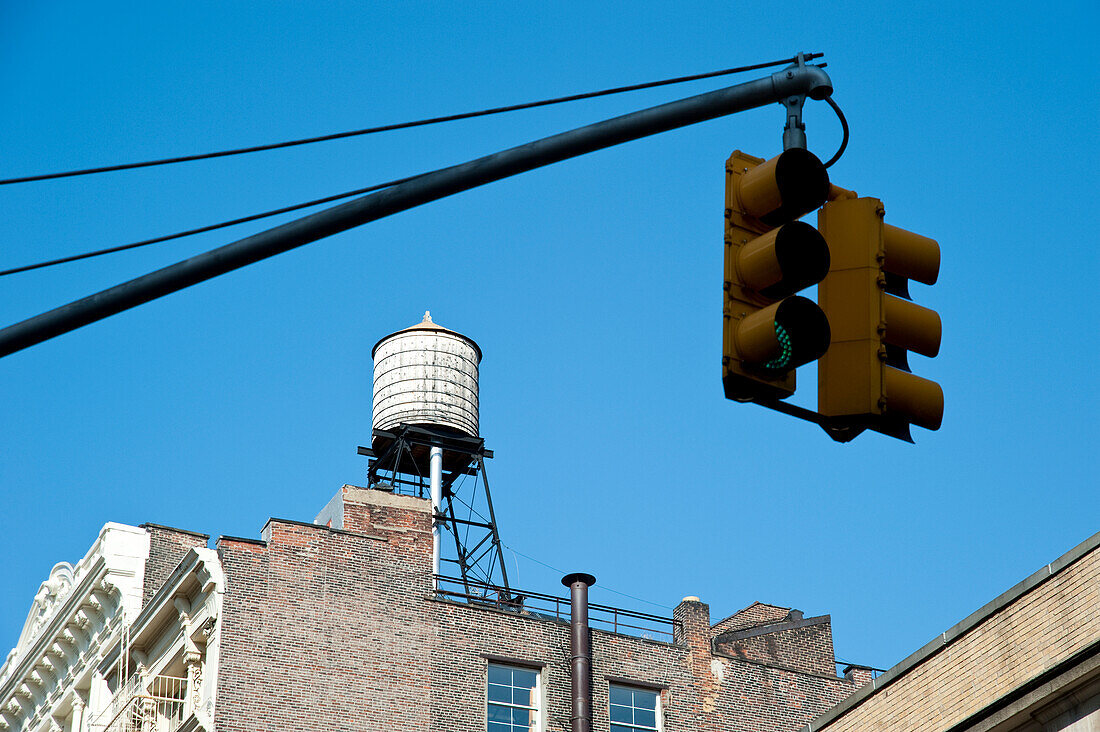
point(593, 287)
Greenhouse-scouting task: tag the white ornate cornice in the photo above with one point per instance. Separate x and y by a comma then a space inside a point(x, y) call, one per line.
point(75, 611)
point(47, 600)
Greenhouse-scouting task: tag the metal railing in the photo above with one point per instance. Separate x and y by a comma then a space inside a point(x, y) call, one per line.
point(159, 707)
point(537, 604)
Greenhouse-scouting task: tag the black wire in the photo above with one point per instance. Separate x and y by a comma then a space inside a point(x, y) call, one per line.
point(400, 125)
point(200, 230)
point(843, 124)
point(358, 191)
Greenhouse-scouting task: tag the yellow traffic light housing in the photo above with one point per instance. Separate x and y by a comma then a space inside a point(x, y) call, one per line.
point(768, 331)
point(863, 379)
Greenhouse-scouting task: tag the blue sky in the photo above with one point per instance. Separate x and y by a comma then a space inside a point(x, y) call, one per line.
point(592, 286)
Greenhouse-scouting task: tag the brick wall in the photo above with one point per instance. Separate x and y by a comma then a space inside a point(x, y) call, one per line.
point(760, 698)
point(326, 629)
point(750, 695)
point(758, 613)
point(166, 548)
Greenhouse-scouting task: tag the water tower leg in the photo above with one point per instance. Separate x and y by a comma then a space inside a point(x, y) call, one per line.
point(436, 477)
point(493, 529)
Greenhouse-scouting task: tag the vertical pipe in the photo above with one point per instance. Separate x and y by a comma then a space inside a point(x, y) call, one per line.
point(580, 643)
point(435, 469)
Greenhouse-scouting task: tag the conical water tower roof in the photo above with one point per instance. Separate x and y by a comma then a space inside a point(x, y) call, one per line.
point(429, 325)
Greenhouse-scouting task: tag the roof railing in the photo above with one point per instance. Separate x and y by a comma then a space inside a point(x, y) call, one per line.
point(540, 605)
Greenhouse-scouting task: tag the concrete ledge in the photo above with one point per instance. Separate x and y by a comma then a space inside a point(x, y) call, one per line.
point(196, 534)
point(319, 527)
point(369, 497)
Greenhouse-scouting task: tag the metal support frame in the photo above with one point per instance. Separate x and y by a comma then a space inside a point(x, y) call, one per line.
point(794, 132)
point(401, 464)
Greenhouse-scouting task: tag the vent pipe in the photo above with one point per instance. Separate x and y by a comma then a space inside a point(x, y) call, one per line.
point(580, 644)
point(435, 473)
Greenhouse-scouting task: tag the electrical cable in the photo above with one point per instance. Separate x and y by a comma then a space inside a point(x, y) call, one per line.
point(358, 191)
point(844, 125)
point(602, 587)
point(203, 229)
point(400, 125)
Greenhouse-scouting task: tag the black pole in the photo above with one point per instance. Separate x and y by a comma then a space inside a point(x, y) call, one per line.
point(580, 647)
point(797, 80)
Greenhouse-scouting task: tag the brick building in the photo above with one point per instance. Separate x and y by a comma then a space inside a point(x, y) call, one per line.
point(1026, 661)
point(337, 625)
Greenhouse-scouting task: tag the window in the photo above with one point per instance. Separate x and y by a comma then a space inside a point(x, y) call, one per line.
point(634, 709)
point(513, 699)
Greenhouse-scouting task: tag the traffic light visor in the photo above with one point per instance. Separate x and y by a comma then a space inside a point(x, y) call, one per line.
point(789, 185)
point(911, 326)
point(916, 400)
point(911, 255)
point(784, 261)
point(783, 336)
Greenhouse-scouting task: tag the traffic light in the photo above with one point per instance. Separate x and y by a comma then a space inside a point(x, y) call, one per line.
point(768, 331)
point(864, 380)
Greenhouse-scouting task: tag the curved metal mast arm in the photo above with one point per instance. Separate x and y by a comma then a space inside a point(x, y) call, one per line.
point(796, 80)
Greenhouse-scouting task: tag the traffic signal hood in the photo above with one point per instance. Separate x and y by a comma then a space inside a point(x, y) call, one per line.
point(863, 379)
point(768, 330)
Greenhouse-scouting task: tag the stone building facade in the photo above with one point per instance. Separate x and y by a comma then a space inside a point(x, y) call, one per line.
point(66, 671)
point(338, 625)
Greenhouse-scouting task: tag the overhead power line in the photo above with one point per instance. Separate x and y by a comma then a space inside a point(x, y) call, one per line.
point(399, 125)
point(602, 587)
point(299, 206)
point(348, 194)
point(203, 229)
